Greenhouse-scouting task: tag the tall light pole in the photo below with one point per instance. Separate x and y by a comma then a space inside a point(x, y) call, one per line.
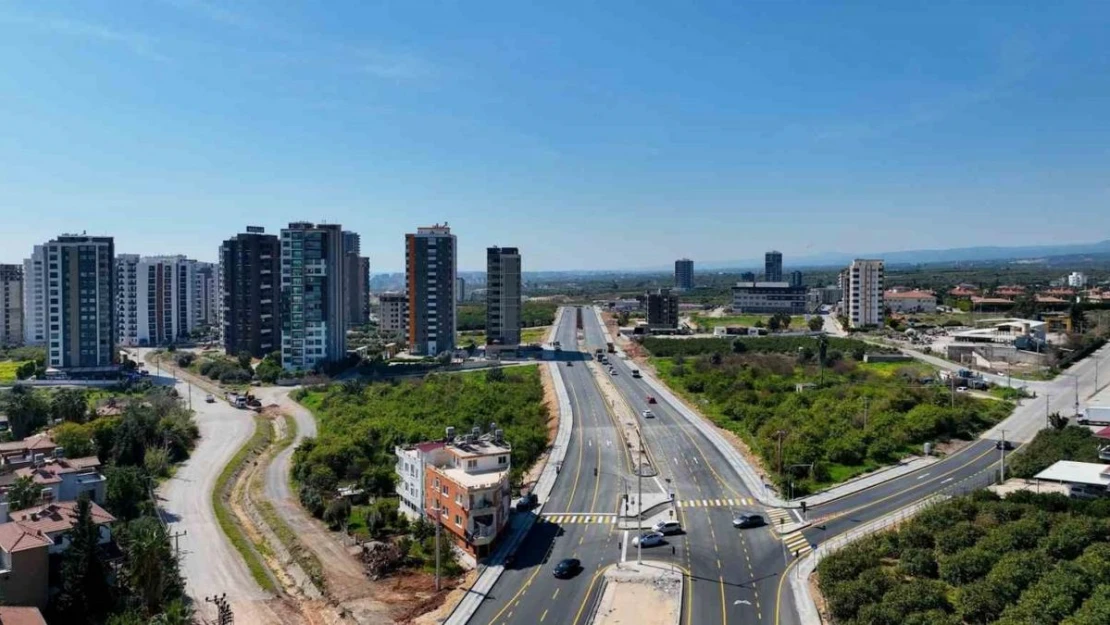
point(1002, 459)
point(639, 497)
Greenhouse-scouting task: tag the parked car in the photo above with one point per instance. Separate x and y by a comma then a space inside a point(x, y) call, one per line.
point(667, 528)
point(744, 521)
point(527, 502)
point(567, 568)
point(648, 414)
point(210, 399)
point(649, 539)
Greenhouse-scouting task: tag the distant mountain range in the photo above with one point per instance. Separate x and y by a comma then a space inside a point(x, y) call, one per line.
point(915, 257)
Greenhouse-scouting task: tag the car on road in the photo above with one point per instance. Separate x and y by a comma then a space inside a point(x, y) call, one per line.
point(648, 414)
point(567, 568)
point(1006, 445)
point(635, 373)
point(651, 399)
point(667, 528)
point(570, 363)
point(210, 399)
point(612, 371)
point(527, 502)
point(649, 539)
point(744, 521)
point(962, 389)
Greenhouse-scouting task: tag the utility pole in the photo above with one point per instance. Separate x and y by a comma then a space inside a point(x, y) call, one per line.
point(223, 609)
point(639, 497)
point(439, 521)
point(1002, 459)
point(866, 408)
point(1077, 394)
point(781, 434)
point(176, 543)
point(1046, 409)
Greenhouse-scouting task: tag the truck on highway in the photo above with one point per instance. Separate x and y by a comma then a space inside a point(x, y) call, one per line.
point(599, 354)
point(1095, 415)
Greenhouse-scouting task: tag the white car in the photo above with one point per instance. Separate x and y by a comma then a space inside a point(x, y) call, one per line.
point(667, 528)
point(649, 539)
point(648, 414)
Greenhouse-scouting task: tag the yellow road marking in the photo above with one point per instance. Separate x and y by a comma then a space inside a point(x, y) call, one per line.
point(589, 590)
point(724, 611)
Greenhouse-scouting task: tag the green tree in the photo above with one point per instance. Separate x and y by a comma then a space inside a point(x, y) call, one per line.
point(774, 323)
point(1078, 317)
point(26, 410)
point(337, 512)
point(85, 595)
point(979, 603)
point(23, 493)
point(815, 323)
point(125, 492)
point(76, 439)
point(245, 361)
point(1057, 421)
point(965, 566)
point(738, 346)
point(150, 570)
point(156, 461)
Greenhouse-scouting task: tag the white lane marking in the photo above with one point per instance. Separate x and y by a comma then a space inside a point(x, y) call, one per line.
point(675, 460)
point(696, 460)
point(923, 476)
point(624, 547)
point(741, 602)
point(947, 480)
point(590, 442)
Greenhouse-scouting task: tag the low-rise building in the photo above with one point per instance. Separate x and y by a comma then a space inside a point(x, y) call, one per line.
point(24, 565)
point(1003, 331)
point(1009, 290)
point(66, 479)
point(769, 297)
point(467, 490)
point(1084, 479)
point(19, 454)
point(411, 461)
point(53, 521)
point(910, 301)
point(963, 292)
point(1077, 279)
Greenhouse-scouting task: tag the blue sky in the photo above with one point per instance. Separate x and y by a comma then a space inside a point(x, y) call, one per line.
point(590, 135)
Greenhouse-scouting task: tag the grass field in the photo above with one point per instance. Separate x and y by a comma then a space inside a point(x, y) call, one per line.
point(534, 335)
point(890, 369)
point(7, 369)
point(731, 320)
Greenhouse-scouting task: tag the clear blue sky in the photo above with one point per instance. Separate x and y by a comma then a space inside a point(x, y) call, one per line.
point(591, 135)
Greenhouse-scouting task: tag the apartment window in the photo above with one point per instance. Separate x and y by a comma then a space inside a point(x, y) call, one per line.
point(471, 464)
point(436, 483)
point(445, 491)
point(458, 521)
point(502, 460)
point(458, 499)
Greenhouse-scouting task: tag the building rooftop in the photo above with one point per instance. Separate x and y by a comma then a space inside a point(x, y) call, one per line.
point(487, 479)
point(20, 615)
point(990, 300)
point(57, 517)
point(1048, 299)
point(1072, 472)
point(40, 443)
point(762, 285)
point(907, 294)
point(52, 470)
point(475, 448)
point(14, 537)
point(432, 446)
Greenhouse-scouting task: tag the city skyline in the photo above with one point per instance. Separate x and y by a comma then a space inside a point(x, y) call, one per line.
point(160, 123)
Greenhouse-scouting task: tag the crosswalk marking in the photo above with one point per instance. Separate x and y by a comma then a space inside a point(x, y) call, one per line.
point(718, 503)
point(583, 518)
point(797, 543)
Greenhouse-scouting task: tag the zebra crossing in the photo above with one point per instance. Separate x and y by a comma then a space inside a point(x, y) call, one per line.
point(583, 518)
point(797, 544)
point(715, 503)
point(779, 516)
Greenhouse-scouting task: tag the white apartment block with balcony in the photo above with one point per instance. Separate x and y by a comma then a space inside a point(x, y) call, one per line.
point(34, 297)
point(411, 461)
point(157, 299)
point(864, 295)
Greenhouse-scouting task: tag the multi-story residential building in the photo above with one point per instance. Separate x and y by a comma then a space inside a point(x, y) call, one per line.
point(769, 298)
point(747, 276)
point(796, 279)
point(34, 297)
point(460, 289)
point(11, 305)
point(81, 305)
point(24, 565)
point(772, 266)
point(824, 296)
point(356, 273)
point(430, 272)
point(66, 479)
point(157, 300)
point(864, 295)
point(503, 297)
point(411, 461)
point(467, 490)
point(393, 312)
point(910, 301)
point(684, 274)
point(662, 309)
point(54, 521)
point(1077, 280)
point(250, 293)
point(208, 294)
point(313, 307)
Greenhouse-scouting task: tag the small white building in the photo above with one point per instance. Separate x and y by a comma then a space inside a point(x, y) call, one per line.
point(411, 461)
point(1084, 479)
point(1002, 331)
point(1077, 280)
point(910, 301)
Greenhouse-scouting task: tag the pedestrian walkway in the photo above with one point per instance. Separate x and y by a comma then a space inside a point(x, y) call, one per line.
point(780, 516)
point(564, 519)
point(797, 544)
point(715, 503)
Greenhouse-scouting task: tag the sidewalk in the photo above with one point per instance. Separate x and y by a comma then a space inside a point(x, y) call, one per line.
point(866, 481)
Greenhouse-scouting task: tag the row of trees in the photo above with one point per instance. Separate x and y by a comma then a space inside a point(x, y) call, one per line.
point(360, 424)
point(843, 419)
point(532, 314)
point(978, 560)
point(29, 410)
point(669, 348)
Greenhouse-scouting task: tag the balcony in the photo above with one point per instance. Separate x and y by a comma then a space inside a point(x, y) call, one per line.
point(482, 504)
point(482, 535)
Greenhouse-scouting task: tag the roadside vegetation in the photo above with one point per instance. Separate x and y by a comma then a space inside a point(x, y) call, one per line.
point(1028, 559)
point(472, 317)
point(1061, 442)
point(831, 415)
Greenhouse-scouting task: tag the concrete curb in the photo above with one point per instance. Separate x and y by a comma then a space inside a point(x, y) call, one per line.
point(863, 482)
point(799, 575)
point(521, 524)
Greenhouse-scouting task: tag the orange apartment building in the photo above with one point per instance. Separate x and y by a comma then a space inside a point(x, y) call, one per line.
point(466, 486)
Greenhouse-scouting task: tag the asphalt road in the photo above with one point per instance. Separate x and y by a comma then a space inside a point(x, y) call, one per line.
point(209, 563)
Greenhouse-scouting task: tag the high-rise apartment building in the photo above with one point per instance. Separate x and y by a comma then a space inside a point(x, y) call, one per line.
point(356, 271)
point(313, 307)
point(772, 266)
point(11, 305)
point(393, 313)
point(684, 274)
point(34, 297)
point(796, 279)
point(503, 297)
point(430, 272)
point(81, 304)
point(208, 294)
point(460, 289)
point(662, 309)
point(157, 300)
point(864, 294)
point(250, 293)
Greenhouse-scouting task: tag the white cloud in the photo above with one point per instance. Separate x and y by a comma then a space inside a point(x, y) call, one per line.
point(138, 43)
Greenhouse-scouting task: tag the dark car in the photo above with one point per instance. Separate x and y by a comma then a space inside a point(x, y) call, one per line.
point(1006, 445)
point(527, 502)
point(748, 520)
point(567, 568)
